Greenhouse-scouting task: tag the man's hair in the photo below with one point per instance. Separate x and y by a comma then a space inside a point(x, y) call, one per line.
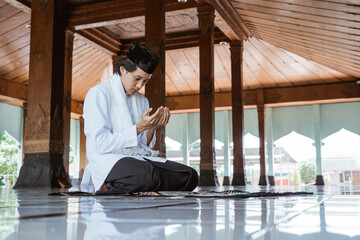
point(126, 63)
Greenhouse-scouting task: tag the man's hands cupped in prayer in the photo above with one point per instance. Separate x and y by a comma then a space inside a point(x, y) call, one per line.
point(152, 122)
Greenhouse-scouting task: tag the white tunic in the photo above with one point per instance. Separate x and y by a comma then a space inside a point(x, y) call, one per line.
point(101, 142)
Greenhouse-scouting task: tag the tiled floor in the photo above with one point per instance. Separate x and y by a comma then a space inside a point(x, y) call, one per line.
point(331, 213)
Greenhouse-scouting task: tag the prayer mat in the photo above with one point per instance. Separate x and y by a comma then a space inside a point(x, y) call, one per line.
point(185, 194)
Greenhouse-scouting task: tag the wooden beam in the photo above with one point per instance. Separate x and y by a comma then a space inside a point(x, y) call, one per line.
point(14, 93)
point(344, 90)
point(77, 107)
point(191, 39)
point(93, 44)
point(106, 42)
point(333, 92)
point(232, 18)
point(101, 37)
point(22, 5)
point(177, 40)
point(13, 90)
point(225, 28)
point(109, 12)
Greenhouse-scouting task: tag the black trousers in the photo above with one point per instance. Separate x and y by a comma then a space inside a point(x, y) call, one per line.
point(132, 175)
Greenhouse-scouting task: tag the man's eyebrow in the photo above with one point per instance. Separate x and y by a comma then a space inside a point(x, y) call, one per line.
point(137, 76)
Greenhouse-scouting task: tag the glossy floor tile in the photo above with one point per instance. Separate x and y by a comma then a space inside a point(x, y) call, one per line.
point(330, 213)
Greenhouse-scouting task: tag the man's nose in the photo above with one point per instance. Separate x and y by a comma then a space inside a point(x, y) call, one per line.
point(139, 85)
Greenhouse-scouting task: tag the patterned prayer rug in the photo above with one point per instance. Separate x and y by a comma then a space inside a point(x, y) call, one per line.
point(185, 194)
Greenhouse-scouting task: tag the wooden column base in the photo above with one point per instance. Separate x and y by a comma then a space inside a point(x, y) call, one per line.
point(319, 180)
point(263, 180)
point(226, 181)
point(271, 180)
point(43, 170)
point(208, 178)
point(238, 179)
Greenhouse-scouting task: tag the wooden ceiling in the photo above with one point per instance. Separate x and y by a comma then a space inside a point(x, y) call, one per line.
point(326, 31)
point(265, 66)
point(293, 43)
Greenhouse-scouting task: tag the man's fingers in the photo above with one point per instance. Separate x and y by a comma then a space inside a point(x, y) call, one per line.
point(158, 120)
point(165, 117)
point(161, 116)
point(147, 112)
point(155, 117)
point(151, 117)
point(168, 116)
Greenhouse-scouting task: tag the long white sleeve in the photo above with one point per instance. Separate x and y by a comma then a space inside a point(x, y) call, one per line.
point(98, 125)
point(142, 136)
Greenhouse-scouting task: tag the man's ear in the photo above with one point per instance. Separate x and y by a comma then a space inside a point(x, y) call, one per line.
point(122, 70)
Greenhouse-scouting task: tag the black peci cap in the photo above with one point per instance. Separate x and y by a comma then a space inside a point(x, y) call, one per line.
point(143, 58)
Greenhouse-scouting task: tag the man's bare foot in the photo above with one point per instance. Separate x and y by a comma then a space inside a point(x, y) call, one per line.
point(103, 188)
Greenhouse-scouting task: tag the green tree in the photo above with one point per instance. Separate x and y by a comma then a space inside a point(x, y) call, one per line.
point(8, 154)
point(307, 172)
point(71, 155)
point(296, 179)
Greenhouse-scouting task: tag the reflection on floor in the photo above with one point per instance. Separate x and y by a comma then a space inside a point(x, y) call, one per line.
point(331, 213)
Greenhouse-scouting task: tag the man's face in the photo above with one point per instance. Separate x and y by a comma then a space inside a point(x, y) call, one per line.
point(133, 81)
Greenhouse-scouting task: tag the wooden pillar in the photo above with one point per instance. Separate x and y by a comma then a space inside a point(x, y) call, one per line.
point(115, 59)
point(207, 104)
point(317, 132)
point(69, 43)
point(185, 142)
point(83, 159)
point(25, 107)
point(226, 137)
point(44, 125)
point(155, 40)
point(236, 50)
point(270, 148)
point(261, 121)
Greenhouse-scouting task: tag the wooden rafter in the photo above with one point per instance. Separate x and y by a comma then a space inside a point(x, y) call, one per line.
point(101, 37)
point(23, 5)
